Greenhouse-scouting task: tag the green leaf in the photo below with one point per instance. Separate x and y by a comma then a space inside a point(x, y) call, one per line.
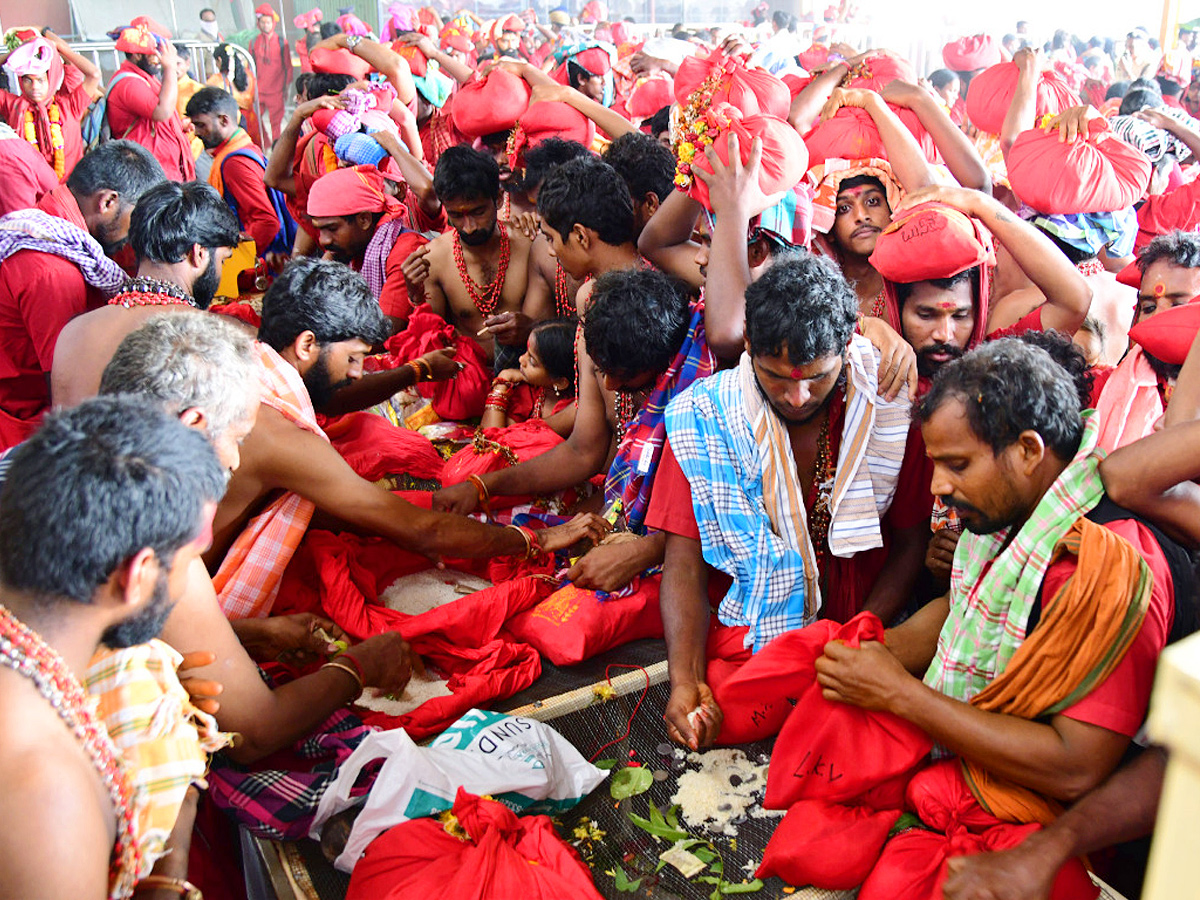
point(659, 831)
point(705, 854)
point(605, 764)
point(673, 816)
point(629, 782)
point(623, 882)
point(745, 887)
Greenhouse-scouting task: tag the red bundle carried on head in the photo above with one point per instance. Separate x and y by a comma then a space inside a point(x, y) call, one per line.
point(991, 93)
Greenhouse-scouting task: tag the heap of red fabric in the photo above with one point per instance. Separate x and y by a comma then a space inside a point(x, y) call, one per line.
point(375, 448)
point(500, 856)
point(499, 447)
point(1099, 174)
point(728, 80)
point(968, 54)
point(816, 55)
point(991, 93)
point(649, 95)
point(830, 845)
point(784, 156)
point(490, 104)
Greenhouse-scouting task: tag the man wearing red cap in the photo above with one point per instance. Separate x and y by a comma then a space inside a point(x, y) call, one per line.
point(142, 108)
point(361, 224)
point(52, 99)
point(506, 37)
point(273, 65)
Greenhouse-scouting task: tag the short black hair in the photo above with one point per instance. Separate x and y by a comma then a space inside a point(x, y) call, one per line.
point(904, 290)
point(229, 62)
point(555, 340)
point(464, 174)
point(213, 101)
point(659, 122)
point(1116, 90)
point(548, 155)
point(1180, 248)
point(327, 84)
point(803, 305)
point(939, 78)
point(171, 217)
point(93, 487)
point(329, 29)
point(635, 321)
point(646, 165)
point(1008, 386)
point(1139, 98)
point(1067, 354)
point(323, 297)
point(588, 192)
point(300, 85)
point(1168, 87)
point(122, 166)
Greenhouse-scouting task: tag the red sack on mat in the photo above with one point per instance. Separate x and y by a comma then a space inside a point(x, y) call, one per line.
point(573, 624)
point(462, 396)
point(834, 751)
point(501, 857)
point(1101, 174)
point(461, 639)
point(991, 93)
point(725, 652)
point(375, 448)
point(827, 845)
point(239, 310)
point(523, 441)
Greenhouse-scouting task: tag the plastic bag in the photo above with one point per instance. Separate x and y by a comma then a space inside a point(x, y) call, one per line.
point(523, 763)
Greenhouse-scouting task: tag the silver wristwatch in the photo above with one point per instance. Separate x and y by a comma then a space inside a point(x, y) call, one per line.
point(353, 41)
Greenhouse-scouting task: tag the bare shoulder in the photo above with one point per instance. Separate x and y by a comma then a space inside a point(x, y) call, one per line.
point(582, 296)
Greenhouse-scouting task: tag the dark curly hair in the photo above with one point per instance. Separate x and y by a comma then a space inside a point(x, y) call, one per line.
point(635, 321)
point(1067, 354)
point(803, 305)
point(1180, 248)
point(323, 297)
point(1009, 386)
point(646, 165)
point(588, 192)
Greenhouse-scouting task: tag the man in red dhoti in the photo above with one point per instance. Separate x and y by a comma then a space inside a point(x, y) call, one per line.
point(273, 65)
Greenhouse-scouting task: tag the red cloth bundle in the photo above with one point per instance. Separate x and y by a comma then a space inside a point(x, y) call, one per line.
point(815, 55)
point(784, 157)
point(339, 61)
point(753, 91)
point(547, 120)
point(1100, 174)
point(849, 134)
point(991, 93)
point(879, 70)
point(1169, 335)
point(490, 104)
point(501, 856)
point(375, 448)
point(931, 240)
point(967, 54)
point(525, 440)
point(649, 95)
point(923, 138)
point(574, 624)
point(828, 845)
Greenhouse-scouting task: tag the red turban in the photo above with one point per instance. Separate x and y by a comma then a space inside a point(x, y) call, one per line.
point(547, 120)
point(1169, 335)
point(931, 240)
point(784, 157)
point(753, 91)
point(508, 23)
point(339, 61)
point(308, 19)
point(650, 95)
point(815, 55)
point(595, 60)
point(1100, 174)
point(878, 71)
point(490, 104)
point(850, 134)
point(970, 53)
point(453, 39)
point(1131, 275)
point(264, 9)
point(991, 93)
point(594, 11)
point(136, 39)
point(347, 192)
point(417, 62)
point(155, 28)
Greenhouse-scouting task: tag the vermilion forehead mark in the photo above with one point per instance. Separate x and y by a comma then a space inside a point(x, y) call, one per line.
point(856, 190)
point(1159, 289)
point(947, 305)
point(798, 373)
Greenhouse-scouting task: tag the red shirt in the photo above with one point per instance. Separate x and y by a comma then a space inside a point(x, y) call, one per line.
point(27, 177)
point(131, 103)
point(243, 182)
point(394, 300)
point(273, 68)
point(72, 99)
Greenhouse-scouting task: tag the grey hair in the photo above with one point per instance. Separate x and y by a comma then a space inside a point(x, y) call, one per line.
point(188, 360)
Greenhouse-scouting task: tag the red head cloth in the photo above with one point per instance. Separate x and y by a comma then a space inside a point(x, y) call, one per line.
point(933, 240)
point(136, 39)
point(815, 55)
point(508, 23)
point(1131, 275)
point(850, 134)
point(304, 21)
point(339, 61)
point(876, 72)
point(1101, 174)
point(155, 27)
point(417, 61)
point(619, 31)
point(1169, 335)
point(490, 104)
point(649, 95)
point(596, 60)
point(594, 11)
point(970, 53)
point(718, 78)
point(347, 192)
point(456, 40)
point(547, 120)
point(352, 24)
point(37, 56)
point(784, 157)
point(264, 9)
point(991, 93)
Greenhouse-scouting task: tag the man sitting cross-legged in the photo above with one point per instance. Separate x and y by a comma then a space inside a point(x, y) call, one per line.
point(780, 473)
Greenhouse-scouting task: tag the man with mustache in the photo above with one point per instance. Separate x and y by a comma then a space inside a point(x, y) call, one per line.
point(475, 274)
point(142, 108)
point(56, 266)
point(182, 235)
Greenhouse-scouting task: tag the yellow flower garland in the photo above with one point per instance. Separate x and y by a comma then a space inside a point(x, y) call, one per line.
point(57, 144)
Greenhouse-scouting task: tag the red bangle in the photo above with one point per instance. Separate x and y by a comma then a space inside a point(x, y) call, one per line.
point(482, 490)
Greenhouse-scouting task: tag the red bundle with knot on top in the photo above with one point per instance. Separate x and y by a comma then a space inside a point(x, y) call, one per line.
point(991, 93)
point(968, 54)
point(879, 70)
point(1099, 174)
point(707, 81)
point(546, 120)
point(490, 104)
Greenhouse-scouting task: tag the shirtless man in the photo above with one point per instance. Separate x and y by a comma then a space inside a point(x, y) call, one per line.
point(78, 570)
point(475, 274)
point(182, 235)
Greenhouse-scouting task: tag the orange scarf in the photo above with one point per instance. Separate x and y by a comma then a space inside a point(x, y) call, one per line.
point(1083, 634)
point(239, 140)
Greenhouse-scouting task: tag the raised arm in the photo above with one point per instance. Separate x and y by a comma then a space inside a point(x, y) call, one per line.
point(667, 239)
point(1153, 477)
point(1188, 135)
point(91, 72)
point(169, 92)
point(1022, 111)
point(907, 158)
point(957, 151)
point(416, 176)
point(278, 173)
point(382, 59)
point(459, 71)
point(546, 89)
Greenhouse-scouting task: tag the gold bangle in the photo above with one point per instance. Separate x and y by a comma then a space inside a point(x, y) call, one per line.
point(482, 490)
point(348, 669)
point(417, 377)
point(525, 538)
point(184, 888)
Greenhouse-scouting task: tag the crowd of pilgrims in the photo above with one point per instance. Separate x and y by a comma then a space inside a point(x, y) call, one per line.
point(871, 392)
